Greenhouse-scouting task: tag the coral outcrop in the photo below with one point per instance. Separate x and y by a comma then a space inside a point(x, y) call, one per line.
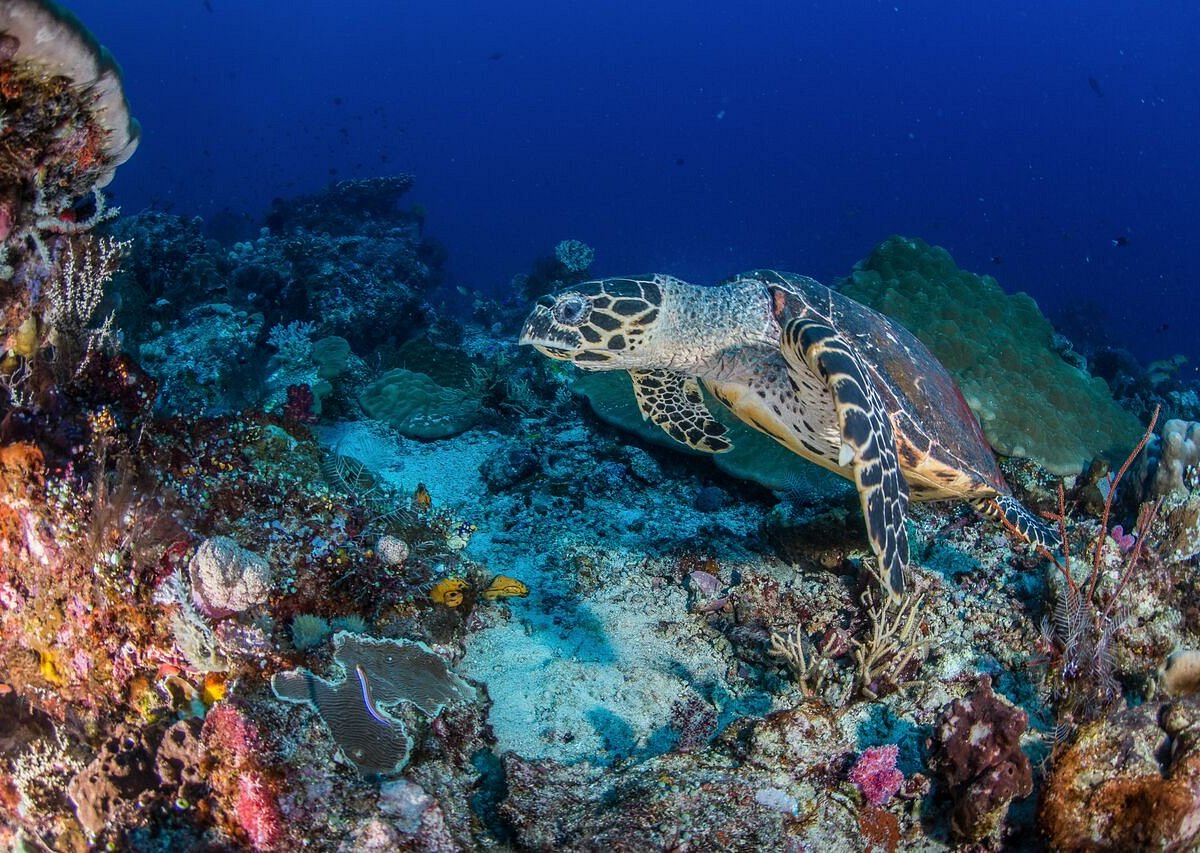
point(226, 578)
point(1030, 402)
point(976, 751)
point(1128, 782)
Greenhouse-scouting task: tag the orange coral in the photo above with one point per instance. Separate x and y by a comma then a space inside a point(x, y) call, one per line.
point(10, 527)
point(21, 465)
point(10, 86)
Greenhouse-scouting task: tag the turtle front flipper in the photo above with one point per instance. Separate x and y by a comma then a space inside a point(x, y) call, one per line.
point(868, 443)
point(1015, 517)
point(674, 402)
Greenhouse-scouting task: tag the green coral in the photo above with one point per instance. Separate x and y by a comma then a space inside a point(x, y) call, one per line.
point(417, 407)
point(1030, 402)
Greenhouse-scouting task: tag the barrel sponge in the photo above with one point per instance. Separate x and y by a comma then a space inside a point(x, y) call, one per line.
point(42, 34)
point(417, 407)
point(1030, 402)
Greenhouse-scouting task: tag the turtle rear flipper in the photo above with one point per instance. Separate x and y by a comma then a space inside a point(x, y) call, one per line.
point(674, 402)
point(1014, 516)
point(868, 443)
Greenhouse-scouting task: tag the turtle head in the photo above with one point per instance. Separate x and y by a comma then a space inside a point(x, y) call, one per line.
point(605, 324)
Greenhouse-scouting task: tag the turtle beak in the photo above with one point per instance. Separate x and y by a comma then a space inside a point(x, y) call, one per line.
point(542, 332)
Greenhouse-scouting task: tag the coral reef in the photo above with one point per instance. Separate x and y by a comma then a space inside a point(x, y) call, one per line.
point(236, 612)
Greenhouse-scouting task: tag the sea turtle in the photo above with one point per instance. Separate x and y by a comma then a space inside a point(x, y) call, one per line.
point(830, 379)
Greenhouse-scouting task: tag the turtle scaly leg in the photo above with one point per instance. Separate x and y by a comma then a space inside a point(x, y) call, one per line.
point(674, 402)
point(868, 443)
point(1008, 511)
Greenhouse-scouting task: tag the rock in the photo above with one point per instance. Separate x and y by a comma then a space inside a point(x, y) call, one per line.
point(506, 467)
point(710, 499)
point(1128, 782)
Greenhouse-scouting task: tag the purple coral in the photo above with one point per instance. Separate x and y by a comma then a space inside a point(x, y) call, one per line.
point(876, 775)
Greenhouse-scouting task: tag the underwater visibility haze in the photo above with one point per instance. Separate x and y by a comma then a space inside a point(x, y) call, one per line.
point(560, 426)
point(1048, 145)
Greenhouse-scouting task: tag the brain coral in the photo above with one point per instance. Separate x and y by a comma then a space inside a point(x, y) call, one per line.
point(1029, 401)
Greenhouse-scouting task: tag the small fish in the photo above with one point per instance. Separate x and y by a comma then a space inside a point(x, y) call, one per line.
point(997, 259)
point(1095, 84)
point(1121, 241)
point(368, 699)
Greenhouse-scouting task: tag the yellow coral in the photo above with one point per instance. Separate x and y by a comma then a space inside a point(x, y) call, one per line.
point(50, 668)
point(503, 586)
point(28, 336)
point(448, 591)
point(214, 688)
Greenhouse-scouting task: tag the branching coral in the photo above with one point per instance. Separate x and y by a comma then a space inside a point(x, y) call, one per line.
point(892, 648)
point(1078, 642)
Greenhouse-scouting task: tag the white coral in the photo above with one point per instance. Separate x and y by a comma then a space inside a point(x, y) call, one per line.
point(226, 578)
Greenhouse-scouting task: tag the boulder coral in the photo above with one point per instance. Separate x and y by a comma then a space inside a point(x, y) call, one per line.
point(1030, 402)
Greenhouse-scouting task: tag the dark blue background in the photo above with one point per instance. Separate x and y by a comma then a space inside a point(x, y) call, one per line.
point(702, 138)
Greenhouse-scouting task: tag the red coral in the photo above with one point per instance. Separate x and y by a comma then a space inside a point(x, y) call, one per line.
point(876, 775)
point(229, 730)
point(299, 405)
point(258, 811)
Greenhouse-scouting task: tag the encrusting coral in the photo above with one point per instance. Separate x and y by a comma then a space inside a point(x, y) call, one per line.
point(1130, 779)
point(376, 674)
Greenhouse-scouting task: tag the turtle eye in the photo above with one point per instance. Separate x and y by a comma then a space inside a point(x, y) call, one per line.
point(571, 309)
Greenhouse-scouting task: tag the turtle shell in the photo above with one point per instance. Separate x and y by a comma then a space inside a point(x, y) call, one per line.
point(941, 447)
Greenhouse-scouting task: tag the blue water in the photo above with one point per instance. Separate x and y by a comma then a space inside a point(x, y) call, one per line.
point(703, 138)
